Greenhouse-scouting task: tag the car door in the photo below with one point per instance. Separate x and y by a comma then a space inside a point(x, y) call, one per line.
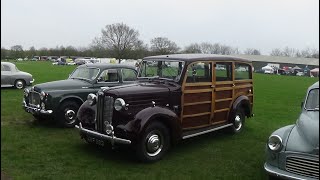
point(223, 91)
point(197, 94)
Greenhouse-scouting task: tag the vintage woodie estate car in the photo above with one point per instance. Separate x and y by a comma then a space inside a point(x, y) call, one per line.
point(61, 99)
point(292, 152)
point(11, 76)
point(175, 97)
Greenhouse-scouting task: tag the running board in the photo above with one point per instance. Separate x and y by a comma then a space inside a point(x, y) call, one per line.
point(203, 131)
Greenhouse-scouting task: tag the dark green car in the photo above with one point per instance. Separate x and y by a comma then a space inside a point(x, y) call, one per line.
point(61, 99)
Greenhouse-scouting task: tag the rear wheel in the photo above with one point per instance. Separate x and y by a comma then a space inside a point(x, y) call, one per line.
point(237, 120)
point(67, 115)
point(154, 143)
point(19, 84)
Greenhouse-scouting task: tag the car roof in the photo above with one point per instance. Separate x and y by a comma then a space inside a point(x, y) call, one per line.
point(107, 66)
point(196, 57)
point(8, 64)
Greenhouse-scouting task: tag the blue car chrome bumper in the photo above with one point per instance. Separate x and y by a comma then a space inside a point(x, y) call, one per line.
point(275, 171)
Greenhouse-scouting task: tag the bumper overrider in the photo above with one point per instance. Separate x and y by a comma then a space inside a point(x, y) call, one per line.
point(110, 138)
point(35, 110)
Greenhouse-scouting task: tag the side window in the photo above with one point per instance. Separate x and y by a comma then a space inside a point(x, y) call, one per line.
point(109, 75)
point(242, 71)
point(223, 71)
point(199, 72)
point(129, 75)
point(6, 68)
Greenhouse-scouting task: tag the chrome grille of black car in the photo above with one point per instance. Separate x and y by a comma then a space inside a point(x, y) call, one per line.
point(104, 111)
point(34, 98)
point(303, 166)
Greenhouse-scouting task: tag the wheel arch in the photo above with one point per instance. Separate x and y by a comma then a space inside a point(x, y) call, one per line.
point(76, 99)
point(152, 114)
point(241, 102)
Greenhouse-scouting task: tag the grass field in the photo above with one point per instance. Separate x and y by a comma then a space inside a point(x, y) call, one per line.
point(33, 150)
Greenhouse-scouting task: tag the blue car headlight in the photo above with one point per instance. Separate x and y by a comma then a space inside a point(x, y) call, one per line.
point(275, 143)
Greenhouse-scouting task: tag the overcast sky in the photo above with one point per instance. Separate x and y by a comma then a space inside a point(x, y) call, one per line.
point(263, 25)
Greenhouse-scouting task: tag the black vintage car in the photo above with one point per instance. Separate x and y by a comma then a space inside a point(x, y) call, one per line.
point(62, 99)
point(176, 97)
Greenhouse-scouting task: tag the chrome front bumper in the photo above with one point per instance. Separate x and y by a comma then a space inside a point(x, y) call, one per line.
point(35, 110)
point(113, 139)
point(32, 81)
point(275, 171)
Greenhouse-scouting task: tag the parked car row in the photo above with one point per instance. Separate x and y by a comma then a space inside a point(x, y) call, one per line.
point(169, 99)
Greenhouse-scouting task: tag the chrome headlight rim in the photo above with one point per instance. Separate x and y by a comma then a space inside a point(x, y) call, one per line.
point(119, 104)
point(275, 143)
point(92, 99)
point(43, 95)
point(26, 92)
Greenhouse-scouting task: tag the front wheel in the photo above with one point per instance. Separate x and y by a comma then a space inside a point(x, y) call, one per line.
point(154, 143)
point(67, 115)
point(237, 120)
point(19, 84)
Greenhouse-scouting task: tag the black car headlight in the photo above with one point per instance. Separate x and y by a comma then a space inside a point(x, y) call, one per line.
point(43, 95)
point(119, 104)
point(275, 143)
point(92, 99)
point(26, 92)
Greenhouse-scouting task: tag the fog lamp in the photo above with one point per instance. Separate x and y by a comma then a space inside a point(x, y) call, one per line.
point(92, 99)
point(108, 128)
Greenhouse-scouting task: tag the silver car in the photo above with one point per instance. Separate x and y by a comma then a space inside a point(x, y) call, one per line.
point(12, 76)
point(293, 151)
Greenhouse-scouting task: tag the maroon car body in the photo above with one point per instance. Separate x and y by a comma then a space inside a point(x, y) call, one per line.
point(176, 97)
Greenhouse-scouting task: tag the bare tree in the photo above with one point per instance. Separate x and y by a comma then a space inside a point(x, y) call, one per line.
point(207, 48)
point(119, 38)
point(276, 52)
point(162, 45)
point(289, 52)
point(17, 51)
point(252, 51)
point(193, 48)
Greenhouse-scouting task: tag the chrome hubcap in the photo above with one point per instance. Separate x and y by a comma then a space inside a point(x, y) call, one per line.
point(237, 122)
point(70, 116)
point(19, 84)
point(153, 144)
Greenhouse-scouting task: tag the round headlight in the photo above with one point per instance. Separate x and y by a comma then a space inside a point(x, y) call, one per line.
point(275, 143)
point(42, 95)
point(119, 104)
point(43, 106)
point(26, 92)
point(92, 99)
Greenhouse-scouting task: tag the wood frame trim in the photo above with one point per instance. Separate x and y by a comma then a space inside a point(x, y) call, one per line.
point(197, 103)
point(196, 115)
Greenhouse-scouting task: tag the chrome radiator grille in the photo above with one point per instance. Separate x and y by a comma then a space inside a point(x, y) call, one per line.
point(104, 111)
point(34, 98)
point(303, 166)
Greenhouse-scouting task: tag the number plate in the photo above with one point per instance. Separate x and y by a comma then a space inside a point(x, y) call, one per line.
point(96, 141)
